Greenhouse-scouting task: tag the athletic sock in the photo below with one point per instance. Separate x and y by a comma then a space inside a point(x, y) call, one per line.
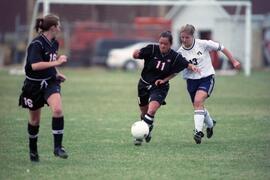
point(208, 120)
point(149, 119)
point(33, 137)
point(199, 120)
point(58, 131)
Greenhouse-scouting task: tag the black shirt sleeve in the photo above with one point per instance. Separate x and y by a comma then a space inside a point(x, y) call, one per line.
point(180, 64)
point(146, 52)
point(34, 53)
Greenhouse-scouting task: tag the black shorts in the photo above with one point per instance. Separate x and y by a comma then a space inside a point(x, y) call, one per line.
point(147, 93)
point(34, 96)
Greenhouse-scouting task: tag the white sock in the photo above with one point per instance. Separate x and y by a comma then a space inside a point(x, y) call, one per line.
point(199, 119)
point(208, 120)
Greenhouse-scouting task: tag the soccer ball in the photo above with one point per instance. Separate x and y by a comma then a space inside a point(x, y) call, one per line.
point(139, 130)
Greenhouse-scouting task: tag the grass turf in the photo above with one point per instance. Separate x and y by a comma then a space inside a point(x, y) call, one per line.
point(99, 108)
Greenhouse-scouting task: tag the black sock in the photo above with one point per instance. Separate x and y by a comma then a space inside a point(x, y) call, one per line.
point(58, 130)
point(149, 119)
point(33, 137)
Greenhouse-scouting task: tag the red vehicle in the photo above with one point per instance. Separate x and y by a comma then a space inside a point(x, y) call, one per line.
point(85, 35)
point(83, 40)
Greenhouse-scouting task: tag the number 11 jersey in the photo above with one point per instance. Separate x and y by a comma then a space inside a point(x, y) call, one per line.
point(158, 65)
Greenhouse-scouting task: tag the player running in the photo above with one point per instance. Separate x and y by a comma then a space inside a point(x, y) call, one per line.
point(161, 64)
point(201, 85)
point(42, 84)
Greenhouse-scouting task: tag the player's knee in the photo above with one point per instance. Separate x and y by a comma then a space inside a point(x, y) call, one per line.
point(57, 111)
point(198, 104)
point(34, 121)
point(152, 112)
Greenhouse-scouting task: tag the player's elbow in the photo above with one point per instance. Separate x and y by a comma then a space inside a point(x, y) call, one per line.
point(34, 67)
point(37, 66)
point(136, 54)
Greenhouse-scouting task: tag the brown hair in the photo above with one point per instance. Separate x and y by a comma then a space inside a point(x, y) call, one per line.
point(44, 24)
point(167, 34)
point(188, 28)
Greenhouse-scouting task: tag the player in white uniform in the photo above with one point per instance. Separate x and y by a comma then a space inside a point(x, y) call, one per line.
point(200, 85)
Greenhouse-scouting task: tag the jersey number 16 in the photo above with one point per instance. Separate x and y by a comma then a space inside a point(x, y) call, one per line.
point(53, 57)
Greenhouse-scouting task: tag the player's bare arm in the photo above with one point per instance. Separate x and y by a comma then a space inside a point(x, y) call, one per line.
point(162, 81)
point(45, 65)
point(136, 54)
point(236, 64)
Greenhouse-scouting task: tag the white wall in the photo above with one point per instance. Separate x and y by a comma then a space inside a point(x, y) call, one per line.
point(218, 21)
point(202, 17)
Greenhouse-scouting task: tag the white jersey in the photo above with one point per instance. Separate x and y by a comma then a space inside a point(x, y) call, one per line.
point(198, 54)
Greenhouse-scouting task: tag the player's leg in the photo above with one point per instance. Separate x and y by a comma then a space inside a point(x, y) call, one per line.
point(208, 87)
point(210, 123)
point(55, 103)
point(199, 114)
point(192, 88)
point(151, 111)
point(148, 111)
point(149, 117)
point(143, 110)
point(31, 98)
point(205, 88)
point(143, 100)
point(33, 129)
point(157, 98)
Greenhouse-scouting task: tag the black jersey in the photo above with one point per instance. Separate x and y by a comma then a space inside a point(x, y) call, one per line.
point(41, 50)
point(158, 65)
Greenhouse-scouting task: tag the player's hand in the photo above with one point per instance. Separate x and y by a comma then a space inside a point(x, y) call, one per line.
point(236, 64)
point(159, 82)
point(194, 68)
point(62, 59)
point(61, 77)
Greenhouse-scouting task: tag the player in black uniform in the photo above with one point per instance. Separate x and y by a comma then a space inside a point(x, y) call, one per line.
point(42, 84)
point(161, 64)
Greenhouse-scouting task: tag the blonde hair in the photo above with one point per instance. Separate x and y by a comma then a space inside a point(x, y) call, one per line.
point(188, 28)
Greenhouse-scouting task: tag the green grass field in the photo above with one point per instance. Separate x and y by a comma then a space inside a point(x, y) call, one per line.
point(99, 108)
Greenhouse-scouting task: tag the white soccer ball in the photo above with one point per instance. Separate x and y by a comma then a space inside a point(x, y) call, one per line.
point(139, 130)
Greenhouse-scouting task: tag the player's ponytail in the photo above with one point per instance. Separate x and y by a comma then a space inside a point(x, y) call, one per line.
point(39, 23)
point(44, 24)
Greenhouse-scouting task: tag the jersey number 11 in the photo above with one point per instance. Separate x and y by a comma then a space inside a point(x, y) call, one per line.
point(160, 65)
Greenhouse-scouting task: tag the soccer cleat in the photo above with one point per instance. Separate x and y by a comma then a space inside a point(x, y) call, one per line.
point(60, 152)
point(34, 157)
point(149, 136)
point(138, 142)
point(198, 137)
point(209, 131)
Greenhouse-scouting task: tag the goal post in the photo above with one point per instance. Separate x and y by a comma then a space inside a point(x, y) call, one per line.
point(246, 4)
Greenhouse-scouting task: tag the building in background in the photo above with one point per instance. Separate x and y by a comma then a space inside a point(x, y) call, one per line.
point(16, 15)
